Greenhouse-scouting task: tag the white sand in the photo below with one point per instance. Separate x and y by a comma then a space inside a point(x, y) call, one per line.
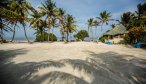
point(71, 63)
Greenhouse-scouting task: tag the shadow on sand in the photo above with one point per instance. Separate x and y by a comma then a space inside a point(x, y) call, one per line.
point(120, 68)
point(106, 68)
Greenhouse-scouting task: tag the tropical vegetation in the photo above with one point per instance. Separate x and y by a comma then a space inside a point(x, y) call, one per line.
point(104, 17)
point(81, 35)
point(136, 24)
point(48, 17)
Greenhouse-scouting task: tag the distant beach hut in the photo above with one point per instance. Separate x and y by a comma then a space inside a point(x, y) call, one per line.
point(116, 34)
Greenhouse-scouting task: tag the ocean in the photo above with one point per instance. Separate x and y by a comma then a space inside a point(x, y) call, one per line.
point(20, 39)
point(32, 39)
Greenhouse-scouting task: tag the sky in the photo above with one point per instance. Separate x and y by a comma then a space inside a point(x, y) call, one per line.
point(82, 10)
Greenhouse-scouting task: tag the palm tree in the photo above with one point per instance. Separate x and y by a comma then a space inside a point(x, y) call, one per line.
point(49, 10)
point(141, 15)
point(23, 12)
point(14, 6)
point(4, 26)
point(61, 14)
point(126, 19)
point(141, 9)
point(7, 17)
point(90, 24)
point(37, 22)
point(96, 23)
point(69, 25)
point(104, 18)
point(21, 7)
point(53, 23)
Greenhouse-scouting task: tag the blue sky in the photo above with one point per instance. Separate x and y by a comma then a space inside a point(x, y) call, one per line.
point(82, 10)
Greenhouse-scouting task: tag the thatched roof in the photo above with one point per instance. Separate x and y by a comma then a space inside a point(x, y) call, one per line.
point(118, 29)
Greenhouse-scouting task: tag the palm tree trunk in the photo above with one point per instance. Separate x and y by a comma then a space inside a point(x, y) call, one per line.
point(70, 36)
point(95, 31)
point(37, 34)
point(62, 32)
point(101, 27)
point(67, 36)
point(14, 32)
point(41, 36)
point(62, 35)
point(89, 30)
point(52, 33)
point(48, 34)
point(52, 30)
point(1, 36)
point(48, 27)
point(44, 35)
point(25, 33)
point(92, 34)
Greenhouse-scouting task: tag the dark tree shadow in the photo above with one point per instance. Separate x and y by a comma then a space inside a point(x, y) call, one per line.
point(57, 77)
point(7, 55)
point(131, 71)
point(6, 65)
point(81, 65)
point(11, 73)
point(16, 73)
point(106, 68)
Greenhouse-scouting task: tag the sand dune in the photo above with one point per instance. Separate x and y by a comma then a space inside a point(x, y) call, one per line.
point(71, 63)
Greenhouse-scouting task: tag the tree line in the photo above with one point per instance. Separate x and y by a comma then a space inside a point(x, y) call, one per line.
point(47, 17)
point(135, 23)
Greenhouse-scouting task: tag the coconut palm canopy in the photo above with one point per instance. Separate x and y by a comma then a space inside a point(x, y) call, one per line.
point(118, 29)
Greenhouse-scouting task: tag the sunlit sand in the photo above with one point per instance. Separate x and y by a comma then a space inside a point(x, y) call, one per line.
point(71, 63)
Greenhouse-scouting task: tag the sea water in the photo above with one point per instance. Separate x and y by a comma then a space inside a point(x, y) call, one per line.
point(32, 39)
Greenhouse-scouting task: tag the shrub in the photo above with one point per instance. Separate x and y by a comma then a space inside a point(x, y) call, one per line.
point(127, 39)
point(44, 37)
point(103, 38)
point(81, 35)
point(135, 34)
point(52, 37)
point(143, 38)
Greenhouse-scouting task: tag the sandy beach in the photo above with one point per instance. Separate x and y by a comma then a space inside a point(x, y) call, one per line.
point(71, 63)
